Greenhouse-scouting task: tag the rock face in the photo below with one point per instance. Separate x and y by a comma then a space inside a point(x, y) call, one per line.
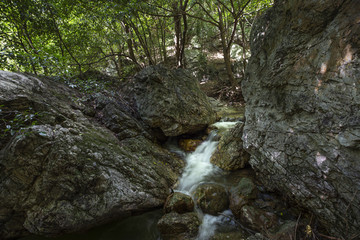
point(172, 101)
point(229, 154)
point(66, 172)
point(303, 107)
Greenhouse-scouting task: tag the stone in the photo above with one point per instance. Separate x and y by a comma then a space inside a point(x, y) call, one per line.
point(284, 231)
point(241, 195)
point(228, 236)
point(257, 236)
point(212, 198)
point(257, 219)
point(303, 108)
point(67, 172)
point(189, 145)
point(179, 202)
point(174, 226)
point(230, 154)
point(172, 101)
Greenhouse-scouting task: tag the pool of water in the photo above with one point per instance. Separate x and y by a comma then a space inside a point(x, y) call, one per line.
point(141, 227)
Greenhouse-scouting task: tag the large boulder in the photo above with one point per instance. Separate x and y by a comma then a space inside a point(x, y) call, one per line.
point(62, 171)
point(172, 101)
point(303, 107)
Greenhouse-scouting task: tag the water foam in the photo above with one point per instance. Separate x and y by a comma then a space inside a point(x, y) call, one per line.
point(198, 165)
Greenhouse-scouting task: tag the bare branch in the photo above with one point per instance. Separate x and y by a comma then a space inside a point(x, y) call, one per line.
point(236, 20)
point(225, 6)
point(203, 19)
point(209, 15)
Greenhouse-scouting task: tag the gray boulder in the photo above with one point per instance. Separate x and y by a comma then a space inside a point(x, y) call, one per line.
point(179, 202)
point(230, 154)
point(212, 198)
point(303, 107)
point(172, 101)
point(63, 171)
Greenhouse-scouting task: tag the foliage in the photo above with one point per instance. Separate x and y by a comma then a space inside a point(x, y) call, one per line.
point(69, 37)
point(13, 121)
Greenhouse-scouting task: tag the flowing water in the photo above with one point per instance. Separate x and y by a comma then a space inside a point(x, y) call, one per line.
point(198, 170)
point(198, 167)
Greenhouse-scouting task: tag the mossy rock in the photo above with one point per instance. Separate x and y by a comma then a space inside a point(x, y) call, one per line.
point(211, 198)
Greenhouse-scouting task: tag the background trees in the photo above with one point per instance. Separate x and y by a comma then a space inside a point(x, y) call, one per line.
point(68, 37)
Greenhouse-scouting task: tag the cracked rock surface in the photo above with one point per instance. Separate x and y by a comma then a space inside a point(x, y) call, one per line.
point(303, 107)
point(68, 171)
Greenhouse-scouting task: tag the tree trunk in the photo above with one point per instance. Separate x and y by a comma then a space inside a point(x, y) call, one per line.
point(177, 23)
point(243, 36)
point(129, 43)
point(184, 33)
point(226, 49)
point(163, 40)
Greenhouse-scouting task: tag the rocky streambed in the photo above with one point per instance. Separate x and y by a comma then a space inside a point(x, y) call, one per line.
point(70, 161)
point(208, 202)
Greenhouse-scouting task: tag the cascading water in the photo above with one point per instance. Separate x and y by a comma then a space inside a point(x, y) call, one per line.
point(198, 170)
point(198, 166)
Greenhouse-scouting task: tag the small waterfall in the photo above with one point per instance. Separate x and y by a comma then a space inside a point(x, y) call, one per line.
point(199, 169)
point(198, 166)
point(210, 223)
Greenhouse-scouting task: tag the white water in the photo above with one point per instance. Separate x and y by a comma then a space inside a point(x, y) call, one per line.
point(224, 125)
point(199, 169)
point(198, 166)
point(210, 223)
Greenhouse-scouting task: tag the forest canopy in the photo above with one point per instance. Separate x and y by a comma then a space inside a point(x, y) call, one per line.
point(119, 37)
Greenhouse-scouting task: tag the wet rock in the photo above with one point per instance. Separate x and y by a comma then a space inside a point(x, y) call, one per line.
point(256, 218)
point(67, 172)
point(284, 231)
point(303, 108)
point(172, 101)
point(257, 236)
point(228, 236)
point(179, 202)
point(211, 198)
point(189, 145)
point(241, 195)
point(174, 226)
point(230, 154)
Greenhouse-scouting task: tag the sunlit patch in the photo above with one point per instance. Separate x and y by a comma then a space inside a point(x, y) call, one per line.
point(320, 159)
point(319, 83)
point(323, 68)
point(274, 155)
point(348, 54)
point(347, 59)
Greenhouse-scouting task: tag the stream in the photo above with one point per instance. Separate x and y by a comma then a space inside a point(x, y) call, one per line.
point(198, 170)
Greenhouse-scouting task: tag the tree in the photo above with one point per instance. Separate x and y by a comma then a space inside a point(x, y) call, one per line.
point(68, 37)
point(225, 16)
